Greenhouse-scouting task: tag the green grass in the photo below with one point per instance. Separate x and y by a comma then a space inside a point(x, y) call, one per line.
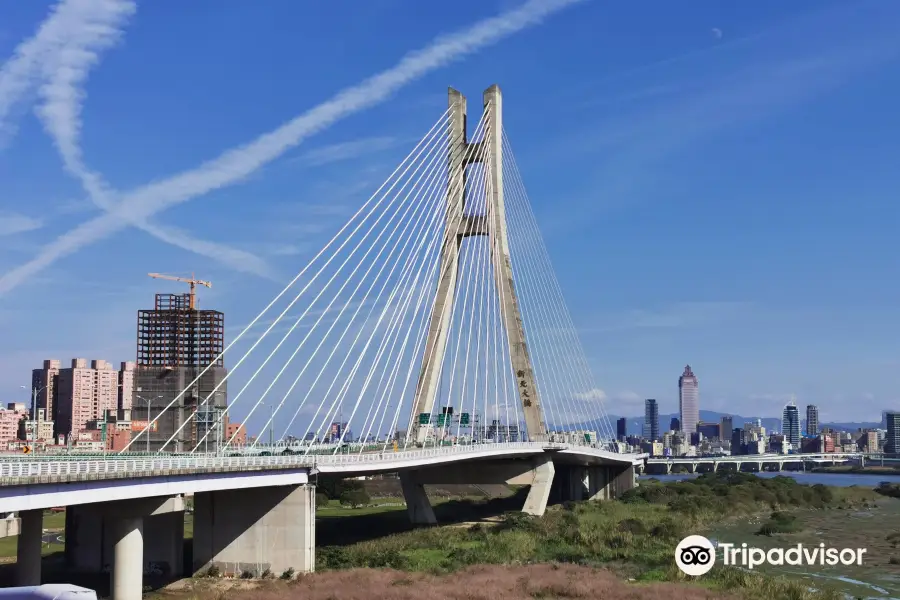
point(636, 535)
point(53, 521)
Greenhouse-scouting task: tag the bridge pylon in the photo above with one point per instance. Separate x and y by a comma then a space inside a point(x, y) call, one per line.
point(459, 225)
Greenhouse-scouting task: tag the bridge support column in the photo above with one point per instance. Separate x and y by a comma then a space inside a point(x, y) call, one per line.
point(91, 531)
point(575, 483)
point(623, 481)
point(418, 507)
point(127, 578)
point(255, 530)
point(598, 483)
point(539, 492)
point(28, 560)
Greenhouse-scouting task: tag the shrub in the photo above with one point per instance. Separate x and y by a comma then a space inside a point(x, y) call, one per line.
point(355, 498)
point(886, 488)
point(779, 522)
point(633, 526)
point(288, 574)
point(213, 571)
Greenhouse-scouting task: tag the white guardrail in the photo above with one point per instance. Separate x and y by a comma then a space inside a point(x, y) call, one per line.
point(113, 464)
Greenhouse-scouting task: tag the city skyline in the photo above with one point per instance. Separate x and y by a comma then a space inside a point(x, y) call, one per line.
point(741, 134)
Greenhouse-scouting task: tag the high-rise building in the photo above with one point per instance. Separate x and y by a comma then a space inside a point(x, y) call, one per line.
point(892, 439)
point(651, 420)
point(43, 383)
point(621, 429)
point(84, 392)
point(812, 420)
point(710, 431)
point(71, 397)
point(675, 424)
point(175, 342)
point(126, 385)
point(10, 421)
point(726, 426)
point(790, 425)
point(738, 441)
point(689, 400)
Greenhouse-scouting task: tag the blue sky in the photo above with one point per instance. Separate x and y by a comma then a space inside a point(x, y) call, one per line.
point(713, 180)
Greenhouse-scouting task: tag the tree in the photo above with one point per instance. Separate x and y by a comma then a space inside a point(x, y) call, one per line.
point(355, 498)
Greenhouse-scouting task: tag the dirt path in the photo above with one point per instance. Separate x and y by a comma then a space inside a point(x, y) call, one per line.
point(476, 583)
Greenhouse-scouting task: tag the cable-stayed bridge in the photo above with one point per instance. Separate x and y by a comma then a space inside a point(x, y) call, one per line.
point(429, 337)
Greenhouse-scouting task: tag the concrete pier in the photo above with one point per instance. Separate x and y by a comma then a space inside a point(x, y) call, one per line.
point(255, 530)
point(418, 507)
point(541, 486)
point(91, 535)
point(127, 578)
point(607, 483)
point(28, 561)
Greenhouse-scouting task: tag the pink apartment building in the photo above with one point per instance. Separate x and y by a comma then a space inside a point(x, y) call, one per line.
point(9, 422)
point(85, 392)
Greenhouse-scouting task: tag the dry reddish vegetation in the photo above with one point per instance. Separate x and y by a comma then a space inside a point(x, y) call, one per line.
point(476, 583)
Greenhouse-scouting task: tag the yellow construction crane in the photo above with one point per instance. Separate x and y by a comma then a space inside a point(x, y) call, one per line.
point(193, 282)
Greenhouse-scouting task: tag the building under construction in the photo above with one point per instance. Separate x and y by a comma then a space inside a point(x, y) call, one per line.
point(175, 342)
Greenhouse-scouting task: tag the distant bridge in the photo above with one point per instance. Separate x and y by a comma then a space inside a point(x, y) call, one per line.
point(757, 462)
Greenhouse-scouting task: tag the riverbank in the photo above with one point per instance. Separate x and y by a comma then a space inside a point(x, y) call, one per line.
point(857, 470)
point(634, 538)
point(874, 527)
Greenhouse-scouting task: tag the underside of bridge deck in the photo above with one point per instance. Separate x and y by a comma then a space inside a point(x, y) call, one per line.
point(549, 482)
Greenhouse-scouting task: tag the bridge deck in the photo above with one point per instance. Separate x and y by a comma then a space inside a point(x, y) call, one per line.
point(48, 470)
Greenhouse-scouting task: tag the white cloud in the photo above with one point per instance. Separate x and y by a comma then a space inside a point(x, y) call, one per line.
point(346, 151)
point(616, 402)
point(287, 249)
point(12, 223)
point(237, 164)
point(593, 394)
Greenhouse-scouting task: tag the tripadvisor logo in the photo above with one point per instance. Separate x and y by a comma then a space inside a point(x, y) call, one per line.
point(695, 555)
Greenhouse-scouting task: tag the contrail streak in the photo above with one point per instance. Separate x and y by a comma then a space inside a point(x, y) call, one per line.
point(91, 27)
point(236, 164)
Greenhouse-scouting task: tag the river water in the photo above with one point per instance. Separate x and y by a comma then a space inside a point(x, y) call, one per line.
point(835, 479)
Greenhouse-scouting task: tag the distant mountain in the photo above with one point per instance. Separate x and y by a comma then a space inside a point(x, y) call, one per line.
point(636, 424)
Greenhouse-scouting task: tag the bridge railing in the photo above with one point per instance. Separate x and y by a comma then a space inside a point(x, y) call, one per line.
point(120, 464)
point(152, 465)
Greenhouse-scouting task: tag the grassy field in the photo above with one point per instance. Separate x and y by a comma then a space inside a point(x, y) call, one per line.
point(634, 537)
point(623, 549)
point(53, 522)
